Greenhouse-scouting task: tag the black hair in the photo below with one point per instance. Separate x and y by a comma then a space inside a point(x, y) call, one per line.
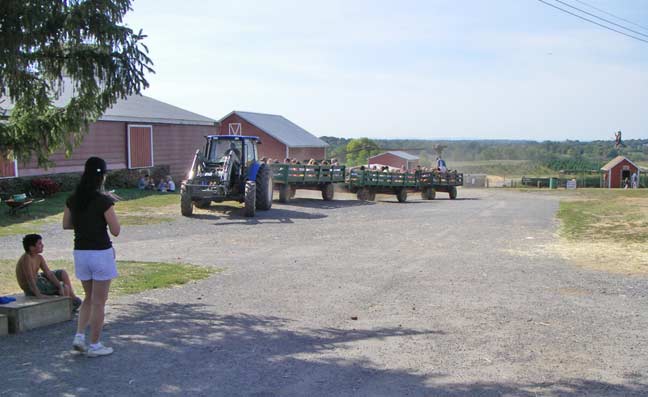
point(30, 240)
point(91, 182)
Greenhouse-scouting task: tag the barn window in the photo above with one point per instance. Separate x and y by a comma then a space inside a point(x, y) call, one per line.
point(140, 146)
point(8, 168)
point(234, 129)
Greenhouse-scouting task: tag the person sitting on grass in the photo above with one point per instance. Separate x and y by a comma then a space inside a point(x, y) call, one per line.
point(46, 283)
point(162, 186)
point(170, 184)
point(143, 182)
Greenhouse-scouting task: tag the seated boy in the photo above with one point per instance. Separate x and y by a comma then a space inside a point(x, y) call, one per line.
point(47, 282)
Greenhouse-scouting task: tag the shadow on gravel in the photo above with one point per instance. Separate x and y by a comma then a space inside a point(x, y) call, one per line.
point(225, 215)
point(326, 205)
point(185, 350)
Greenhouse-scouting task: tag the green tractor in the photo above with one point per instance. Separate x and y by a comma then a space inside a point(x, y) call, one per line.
point(227, 170)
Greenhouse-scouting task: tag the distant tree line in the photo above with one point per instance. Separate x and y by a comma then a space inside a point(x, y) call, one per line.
point(567, 155)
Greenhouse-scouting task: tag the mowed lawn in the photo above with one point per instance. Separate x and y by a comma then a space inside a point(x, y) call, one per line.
point(606, 229)
point(133, 277)
point(138, 207)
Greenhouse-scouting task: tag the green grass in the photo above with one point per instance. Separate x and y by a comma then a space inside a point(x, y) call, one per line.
point(603, 214)
point(133, 277)
point(138, 207)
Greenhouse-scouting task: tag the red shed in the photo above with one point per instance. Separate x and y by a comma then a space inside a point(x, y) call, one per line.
point(617, 171)
point(280, 137)
point(396, 159)
point(138, 132)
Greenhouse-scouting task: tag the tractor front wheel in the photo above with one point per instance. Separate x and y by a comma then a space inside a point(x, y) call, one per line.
point(250, 199)
point(186, 206)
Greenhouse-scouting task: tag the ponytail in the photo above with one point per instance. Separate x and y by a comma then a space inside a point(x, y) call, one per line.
point(91, 183)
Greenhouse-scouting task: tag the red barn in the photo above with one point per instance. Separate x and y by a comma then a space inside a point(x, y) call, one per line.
point(280, 137)
point(396, 159)
point(138, 132)
point(617, 171)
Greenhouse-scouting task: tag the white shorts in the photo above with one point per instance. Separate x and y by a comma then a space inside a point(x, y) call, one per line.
point(95, 264)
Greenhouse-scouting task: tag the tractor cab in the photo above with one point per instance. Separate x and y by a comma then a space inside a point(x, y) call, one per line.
point(232, 155)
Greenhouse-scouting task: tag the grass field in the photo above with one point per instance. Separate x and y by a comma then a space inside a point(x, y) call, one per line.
point(138, 207)
point(508, 168)
point(133, 277)
point(605, 229)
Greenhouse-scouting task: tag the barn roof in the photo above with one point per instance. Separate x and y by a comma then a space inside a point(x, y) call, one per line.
point(135, 108)
point(280, 128)
point(615, 161)
point(399, 153)
point(140, 108)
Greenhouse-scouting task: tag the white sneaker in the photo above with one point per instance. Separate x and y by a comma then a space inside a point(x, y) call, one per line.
point(98, 350)
point(79, 344)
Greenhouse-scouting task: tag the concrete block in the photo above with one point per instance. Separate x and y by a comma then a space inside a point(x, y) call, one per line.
point(28, 313)
point(4, 325)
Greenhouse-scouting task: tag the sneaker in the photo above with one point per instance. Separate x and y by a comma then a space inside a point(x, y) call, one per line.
point(79, 344)
point(98, 350)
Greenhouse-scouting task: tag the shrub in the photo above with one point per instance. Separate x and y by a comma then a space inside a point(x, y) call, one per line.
point(125, 178)
point(116, 179)
point(45, 186)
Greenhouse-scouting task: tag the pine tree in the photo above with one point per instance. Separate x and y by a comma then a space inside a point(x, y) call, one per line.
point(43, 41)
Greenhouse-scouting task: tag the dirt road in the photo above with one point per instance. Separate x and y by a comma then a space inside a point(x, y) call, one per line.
point(452, 298)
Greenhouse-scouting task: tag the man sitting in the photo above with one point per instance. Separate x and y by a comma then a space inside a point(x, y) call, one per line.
point(47, 282)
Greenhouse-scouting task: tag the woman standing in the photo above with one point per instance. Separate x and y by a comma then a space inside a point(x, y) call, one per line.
point(88, 211)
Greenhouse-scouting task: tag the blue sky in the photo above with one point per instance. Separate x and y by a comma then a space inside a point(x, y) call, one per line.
point(496, 69)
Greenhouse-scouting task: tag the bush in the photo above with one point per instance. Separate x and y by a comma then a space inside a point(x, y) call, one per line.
point(44, 186)
point(125, 178)
point(117, 179)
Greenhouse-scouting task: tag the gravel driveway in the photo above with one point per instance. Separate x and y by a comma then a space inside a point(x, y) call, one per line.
point(452, 298)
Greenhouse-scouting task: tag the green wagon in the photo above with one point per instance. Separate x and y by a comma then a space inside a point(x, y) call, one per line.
point(366, 183)
point(288, 178)
point(430, 183)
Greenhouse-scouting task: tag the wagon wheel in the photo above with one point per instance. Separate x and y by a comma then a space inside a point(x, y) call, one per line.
point(453, 192)
point(362, 194)
point(428, 193)
point(284, 193)
point(328, 191)
point(401, 195)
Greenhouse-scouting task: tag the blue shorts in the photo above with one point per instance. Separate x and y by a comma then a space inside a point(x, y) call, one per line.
point(97, 265)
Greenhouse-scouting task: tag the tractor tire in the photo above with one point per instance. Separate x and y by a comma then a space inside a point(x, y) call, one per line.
point(401, 195)
point(284, 193)
point(186, 206)
point(203, 204)
point(453, 192)
point(328, 191)
point(264, 189)
point(250, 199)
